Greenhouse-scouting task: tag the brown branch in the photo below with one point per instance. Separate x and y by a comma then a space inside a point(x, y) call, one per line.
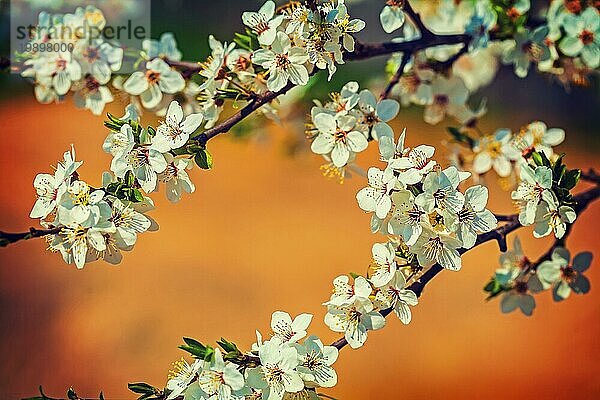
point(396, 78)
point(7, 238)
point(361, 52)
point(591, 176)
point(583, 200)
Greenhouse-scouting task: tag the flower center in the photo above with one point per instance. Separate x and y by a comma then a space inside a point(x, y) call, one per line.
point(513, 13)
point(395, 3)
point(441, 100)
point(587, 37)
point(532, 50)
point(152, 76)
point(521, 287)
point(568, 274)
point(573, 6)
point(282, 61)
point(91, 54)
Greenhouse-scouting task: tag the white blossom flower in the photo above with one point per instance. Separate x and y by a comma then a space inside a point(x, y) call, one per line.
point(220, 379)
point(448, 97)
point(128, 224)
point(392, 16)
point(474, 217)
point(176, 130)
point(518, 297)
point(563, 275)
point(354, 320)
point(436, 247)
point(117, 143)
point(395, 295)
point(537, 136)
point(50, 188)
point(528, 47)
point(415, 165)
point(407, 217)
point(493, 151)
point(440, 191)
point(91, 95)
point(277, 373)
point(582, 36)
point(551, 217)
point(376, 115)
point(263, 23)
point(99, 59)
point(176, 179)
point(159, 78)
point(316, 361)
point(284, 62)
point(80, 205)
point(215, 68)
point(288, 331)
point(512, 263)
point(165, 47)
point(384, 264)
point(483, 19)
point(74, 241)
point(529, 192)
point(298, 20)
point(344, 293)
point(324, 54)
point(376, 197)
point(60, 67)
point(338, 136)
point(182, 376)
point(347, 26)
point(145, 163)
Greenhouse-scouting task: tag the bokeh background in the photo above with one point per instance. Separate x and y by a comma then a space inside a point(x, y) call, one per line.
point(264, 231)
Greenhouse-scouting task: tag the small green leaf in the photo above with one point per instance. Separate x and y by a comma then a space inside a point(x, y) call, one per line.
point(537, 158)
point(136, 196)
point(204, 159)
point(570, 179)
point(141, 388)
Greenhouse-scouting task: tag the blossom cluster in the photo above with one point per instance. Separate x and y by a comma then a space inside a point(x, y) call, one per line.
point(342, 127)
point(505, 151)
point(93, 224)
point(356, 307)
point(98, 223)
point(543, 196)
point(282, 366)
point(421, 205)
point(86, 70)
point(518, 279)
point(565, 45)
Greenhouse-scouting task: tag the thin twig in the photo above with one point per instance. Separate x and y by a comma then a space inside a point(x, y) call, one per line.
point(396, 78)
point(591, 176)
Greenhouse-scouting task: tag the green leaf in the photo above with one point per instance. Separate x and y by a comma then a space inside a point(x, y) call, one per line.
point(141, 388)
point(196, 348)
point(227, 346)
point(204, 159)
point(537, 158)
point(570, 179)
point(136, 196)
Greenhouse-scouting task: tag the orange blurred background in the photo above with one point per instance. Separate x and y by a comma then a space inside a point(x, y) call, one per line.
point(263, 232)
